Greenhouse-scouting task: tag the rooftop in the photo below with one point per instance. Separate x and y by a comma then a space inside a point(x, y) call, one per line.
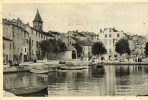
point(37, 17)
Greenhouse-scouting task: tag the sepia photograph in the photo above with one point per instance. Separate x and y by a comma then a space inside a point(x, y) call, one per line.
point(75, 49)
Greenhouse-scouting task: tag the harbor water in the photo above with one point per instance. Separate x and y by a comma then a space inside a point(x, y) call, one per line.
point(110, 80)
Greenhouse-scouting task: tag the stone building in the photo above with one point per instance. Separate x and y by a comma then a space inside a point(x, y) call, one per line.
point(21, 41)
point(36, 36)
point(14, 31)
point(109, 37)
point(137, 44)
point(7, 41)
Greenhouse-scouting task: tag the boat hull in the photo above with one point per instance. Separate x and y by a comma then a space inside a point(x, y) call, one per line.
point(39, 71)
point(72, 68)
point(28, 90)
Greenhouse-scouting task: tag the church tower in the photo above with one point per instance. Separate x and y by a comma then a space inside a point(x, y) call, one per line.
point(37, 22)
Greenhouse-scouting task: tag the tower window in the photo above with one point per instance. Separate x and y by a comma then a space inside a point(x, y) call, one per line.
point(118, 35)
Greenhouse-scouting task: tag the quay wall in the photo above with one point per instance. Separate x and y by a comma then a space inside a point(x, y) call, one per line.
point(126, 63)
point(16, 69)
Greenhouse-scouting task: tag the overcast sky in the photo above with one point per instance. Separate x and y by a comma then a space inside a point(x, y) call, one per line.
point(129, 17)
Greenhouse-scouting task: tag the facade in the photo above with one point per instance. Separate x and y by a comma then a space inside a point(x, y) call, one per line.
point(109, 37)
point(21, 41)
point(7, 41)
point(137, 45)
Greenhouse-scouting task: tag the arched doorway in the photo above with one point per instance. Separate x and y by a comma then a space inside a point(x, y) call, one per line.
point(74, 54)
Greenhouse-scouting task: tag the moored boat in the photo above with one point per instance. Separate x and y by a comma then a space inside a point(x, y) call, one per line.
point(27, 90)
point(72, 67)
point(39, 71)
point(45, 68)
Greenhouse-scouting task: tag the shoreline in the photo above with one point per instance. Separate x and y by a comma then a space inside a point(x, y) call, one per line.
point(125, 63)
point(26, 67)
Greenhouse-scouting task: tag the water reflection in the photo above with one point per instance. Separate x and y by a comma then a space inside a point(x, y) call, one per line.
point(94, 81)
point(97, 71)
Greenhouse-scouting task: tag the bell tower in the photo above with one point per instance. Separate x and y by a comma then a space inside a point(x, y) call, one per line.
point(37, 22)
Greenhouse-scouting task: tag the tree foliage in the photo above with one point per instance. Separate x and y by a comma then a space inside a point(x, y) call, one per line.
point(122, 46)
point(98, 48)
point(79, 48)
point(146, 49)
point(52, 46)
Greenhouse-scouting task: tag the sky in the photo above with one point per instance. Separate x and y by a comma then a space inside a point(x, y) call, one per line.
point(63, 17)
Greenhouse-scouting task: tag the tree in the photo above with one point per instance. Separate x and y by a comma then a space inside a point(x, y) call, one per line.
point(52, 46)
point(62, 46)
point(146, 49)
point(79, 48)
point(122, 46)
point(98, 49)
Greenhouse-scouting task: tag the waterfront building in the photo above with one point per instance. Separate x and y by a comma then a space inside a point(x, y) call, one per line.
point(78, 35)
point(86, 50)
point(18, 39)
point(36, 36)
point(91, 36)
point(137, 44)
point(21, 41)
point(7, 41)
point(109, 37)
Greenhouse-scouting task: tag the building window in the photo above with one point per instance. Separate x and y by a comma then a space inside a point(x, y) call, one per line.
point(110, 50)
point(26, 41)
point(32, 42)
point(114, 41)
point(10, 45)
point(36, 43)
point(13, 46)
point(41, 35)
point(118, 35)
point(109, 35)
point(25, 50)
point(115, 56)
point(3, 45)
point(105, 35)
point(13, 34)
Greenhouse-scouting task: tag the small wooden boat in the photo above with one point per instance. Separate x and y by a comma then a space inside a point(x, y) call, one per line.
point(27, 90)
point(72, 67)
point(45, 68)
point(38, 70)
point(69, 63)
